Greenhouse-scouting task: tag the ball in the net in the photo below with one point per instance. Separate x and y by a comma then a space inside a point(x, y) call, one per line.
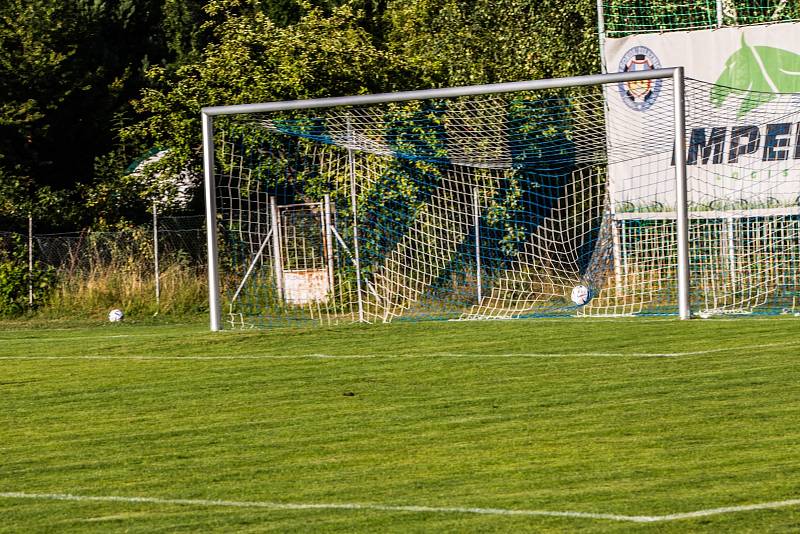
point(581, 295)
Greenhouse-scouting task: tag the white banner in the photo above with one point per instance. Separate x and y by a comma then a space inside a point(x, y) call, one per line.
point(743, 125)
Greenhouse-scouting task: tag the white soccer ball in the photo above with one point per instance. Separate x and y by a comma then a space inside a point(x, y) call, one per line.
point(115, 315)
point(581, 295)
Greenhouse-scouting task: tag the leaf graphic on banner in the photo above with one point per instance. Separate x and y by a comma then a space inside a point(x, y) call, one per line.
point(755, 73)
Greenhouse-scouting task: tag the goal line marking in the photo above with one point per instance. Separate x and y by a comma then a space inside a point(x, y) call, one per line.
point(312, 356)
point(266, 505)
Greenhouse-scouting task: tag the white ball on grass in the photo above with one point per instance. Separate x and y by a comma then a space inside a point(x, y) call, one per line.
point(581, 295)
point(115, 315)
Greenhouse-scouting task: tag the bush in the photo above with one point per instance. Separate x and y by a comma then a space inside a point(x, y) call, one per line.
point(15, 279)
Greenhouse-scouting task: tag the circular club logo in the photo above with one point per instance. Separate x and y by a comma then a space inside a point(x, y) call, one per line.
point(639, 95)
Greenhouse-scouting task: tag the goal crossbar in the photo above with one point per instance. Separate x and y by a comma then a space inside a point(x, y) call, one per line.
point(447, 92)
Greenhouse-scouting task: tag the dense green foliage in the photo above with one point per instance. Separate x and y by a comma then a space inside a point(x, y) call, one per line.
point(487, 41)
point(22, 289)
point(67, 72)
point(88, 86)
point(625, 416)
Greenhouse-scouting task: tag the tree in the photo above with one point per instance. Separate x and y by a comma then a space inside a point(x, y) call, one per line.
point(249, 59)
point(183, 28)
point(465, 42)
point(70, 68)
point(67, 71)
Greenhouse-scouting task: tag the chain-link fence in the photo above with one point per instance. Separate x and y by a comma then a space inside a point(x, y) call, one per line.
point(179, 238)
point(141, 267)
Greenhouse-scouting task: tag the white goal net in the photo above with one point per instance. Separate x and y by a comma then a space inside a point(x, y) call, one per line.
point(534, 199)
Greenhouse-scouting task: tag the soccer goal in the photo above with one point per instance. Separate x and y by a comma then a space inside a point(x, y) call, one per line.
point(543, 198)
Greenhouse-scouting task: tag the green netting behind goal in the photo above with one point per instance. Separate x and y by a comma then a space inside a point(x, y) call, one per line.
point(647, 16)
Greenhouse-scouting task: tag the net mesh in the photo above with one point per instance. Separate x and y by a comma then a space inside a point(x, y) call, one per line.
point(626, 17)
point(744, 196)
point(498, 207)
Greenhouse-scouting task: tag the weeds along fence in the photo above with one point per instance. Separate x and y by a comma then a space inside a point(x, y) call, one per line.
point(154, 268)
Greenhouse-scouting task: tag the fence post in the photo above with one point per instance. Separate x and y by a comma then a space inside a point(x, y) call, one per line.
point(601, 35)
point(30, 260)
point(155, 257)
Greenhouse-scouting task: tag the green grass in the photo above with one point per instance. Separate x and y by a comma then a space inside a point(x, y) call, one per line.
point(562, 415)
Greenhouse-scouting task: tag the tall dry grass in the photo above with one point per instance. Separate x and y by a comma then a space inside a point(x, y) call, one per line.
point(183, 291)
point(99, 272)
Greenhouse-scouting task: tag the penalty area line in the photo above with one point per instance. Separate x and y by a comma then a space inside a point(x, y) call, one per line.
point(266, 505)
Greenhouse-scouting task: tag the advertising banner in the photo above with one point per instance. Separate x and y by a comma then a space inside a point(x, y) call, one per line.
point(743, 119)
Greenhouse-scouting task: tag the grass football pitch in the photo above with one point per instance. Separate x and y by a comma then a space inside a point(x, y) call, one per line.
point(540, 425)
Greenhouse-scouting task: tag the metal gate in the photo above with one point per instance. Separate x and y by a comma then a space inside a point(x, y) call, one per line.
point(303, 250)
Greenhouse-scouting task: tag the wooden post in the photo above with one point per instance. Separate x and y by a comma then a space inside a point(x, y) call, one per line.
point(328, 223)
point(277, 257)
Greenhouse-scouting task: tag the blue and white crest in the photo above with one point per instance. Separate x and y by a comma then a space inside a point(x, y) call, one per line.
point(639, 95)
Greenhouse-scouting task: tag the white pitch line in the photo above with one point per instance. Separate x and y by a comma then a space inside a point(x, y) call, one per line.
point(342, 356)
point(266, 505)
point(191, 357)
